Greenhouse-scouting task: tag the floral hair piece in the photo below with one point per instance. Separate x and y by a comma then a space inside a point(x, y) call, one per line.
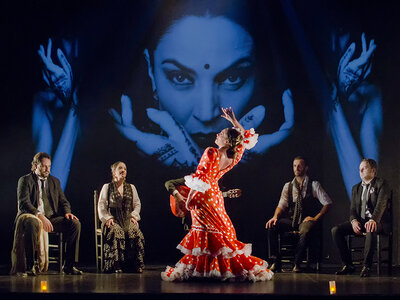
point(250, 138)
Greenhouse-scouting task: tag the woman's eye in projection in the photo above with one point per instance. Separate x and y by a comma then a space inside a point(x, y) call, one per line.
point(180, 79)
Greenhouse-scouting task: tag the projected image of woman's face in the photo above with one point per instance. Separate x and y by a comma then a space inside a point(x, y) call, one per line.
point(200, 65)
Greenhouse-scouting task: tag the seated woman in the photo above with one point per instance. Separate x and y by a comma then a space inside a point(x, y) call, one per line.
point(119, 208)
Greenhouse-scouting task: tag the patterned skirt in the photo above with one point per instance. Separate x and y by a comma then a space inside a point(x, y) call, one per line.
point(123, 249)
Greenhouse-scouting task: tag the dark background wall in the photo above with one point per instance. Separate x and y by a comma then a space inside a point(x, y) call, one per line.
point(111, 38)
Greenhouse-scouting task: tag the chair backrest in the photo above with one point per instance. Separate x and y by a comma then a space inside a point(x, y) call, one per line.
point(390, 206)
point(97, 223)
point(389, 211)
point(98, 235)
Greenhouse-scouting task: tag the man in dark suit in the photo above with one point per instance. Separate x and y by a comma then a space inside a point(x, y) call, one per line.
point(40, 194)
point(367, 216)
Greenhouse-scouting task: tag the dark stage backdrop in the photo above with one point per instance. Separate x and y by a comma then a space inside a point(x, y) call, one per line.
point(94, 82)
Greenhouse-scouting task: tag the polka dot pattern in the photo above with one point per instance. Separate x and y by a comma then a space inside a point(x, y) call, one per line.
point(211, 248)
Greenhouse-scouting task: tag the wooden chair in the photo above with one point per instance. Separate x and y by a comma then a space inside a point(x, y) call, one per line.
point(98, 235)
point(384, 244)
point(56, 249)
point(287, 243)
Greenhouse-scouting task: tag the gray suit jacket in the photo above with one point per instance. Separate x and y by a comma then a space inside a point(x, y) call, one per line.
point(378, 198)
point(28, 195)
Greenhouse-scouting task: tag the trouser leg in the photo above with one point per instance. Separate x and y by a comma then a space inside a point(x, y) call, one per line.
point(71, 230)
point(31, 238)
point(305, 229)
point(282, 225)
point(339, 234)
point(369, 248)
point(371, 243)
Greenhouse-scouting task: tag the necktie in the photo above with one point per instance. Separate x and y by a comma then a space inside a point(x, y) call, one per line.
point(298, 208)
point(48, 211)
point(364, 199)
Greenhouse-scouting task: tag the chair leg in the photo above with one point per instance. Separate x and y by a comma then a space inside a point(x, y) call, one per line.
point(390, 255)
point(378, 254)
point(97, 252)
point(279, 246)
point(269, 243)
point(60, 251)
point(101, 254)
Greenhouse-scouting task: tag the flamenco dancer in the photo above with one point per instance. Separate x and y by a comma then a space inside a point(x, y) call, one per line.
point(211, 249)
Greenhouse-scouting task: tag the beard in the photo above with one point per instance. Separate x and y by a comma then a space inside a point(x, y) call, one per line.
point(44, 174)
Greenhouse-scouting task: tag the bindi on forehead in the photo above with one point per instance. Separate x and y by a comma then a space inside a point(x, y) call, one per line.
point(206, 66)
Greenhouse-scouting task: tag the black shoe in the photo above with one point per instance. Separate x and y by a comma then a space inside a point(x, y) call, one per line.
point(296, 269)
point(276, 267)
point(346, 270)
point(139, 270)
point(364, 272)
point(72, 271)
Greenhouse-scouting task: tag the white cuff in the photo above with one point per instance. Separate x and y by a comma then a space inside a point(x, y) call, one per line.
point(196, 184)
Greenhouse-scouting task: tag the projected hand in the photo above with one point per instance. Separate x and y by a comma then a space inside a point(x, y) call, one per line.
point(177, 148)
point(56, 77)
point(352, 73)
point(254, 118)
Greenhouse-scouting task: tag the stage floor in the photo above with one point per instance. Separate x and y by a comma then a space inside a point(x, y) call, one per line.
point(93, 285)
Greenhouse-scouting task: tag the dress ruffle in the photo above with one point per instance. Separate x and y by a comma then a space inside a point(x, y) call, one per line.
point(211, 255)
point(238, 268)
point(197, 184)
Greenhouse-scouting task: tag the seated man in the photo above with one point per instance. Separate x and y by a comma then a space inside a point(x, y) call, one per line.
point(299, 209)
point(369, 199)
point(40, 195)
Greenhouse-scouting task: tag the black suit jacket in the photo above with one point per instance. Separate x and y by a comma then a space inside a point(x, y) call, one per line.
point(378, 198)
point(28, 195)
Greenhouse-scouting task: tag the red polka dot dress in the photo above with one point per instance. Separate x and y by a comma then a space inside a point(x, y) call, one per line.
point(211, 248)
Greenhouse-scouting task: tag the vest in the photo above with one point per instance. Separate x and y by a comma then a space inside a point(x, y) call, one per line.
point(311, 205)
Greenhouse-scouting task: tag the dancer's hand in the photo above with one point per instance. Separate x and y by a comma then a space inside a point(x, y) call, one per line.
point(228, 114)
point(178, 148)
